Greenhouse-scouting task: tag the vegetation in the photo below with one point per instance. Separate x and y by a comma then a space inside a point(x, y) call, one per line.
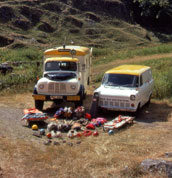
point(155, 8)
point(162, 74)
point(108, 55)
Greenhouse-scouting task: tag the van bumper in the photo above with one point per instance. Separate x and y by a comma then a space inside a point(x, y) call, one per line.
point(120, 109)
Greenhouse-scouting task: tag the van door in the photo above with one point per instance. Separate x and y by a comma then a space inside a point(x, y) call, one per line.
point(143, 89)
point(147, 86)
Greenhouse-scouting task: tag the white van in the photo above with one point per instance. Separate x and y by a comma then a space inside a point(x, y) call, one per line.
point(124, 88)
point(66, 75)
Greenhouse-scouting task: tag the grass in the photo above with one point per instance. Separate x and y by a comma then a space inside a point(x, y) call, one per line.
point(21, 54)
point(162, 74)
point(109, 55)
point(27, 72)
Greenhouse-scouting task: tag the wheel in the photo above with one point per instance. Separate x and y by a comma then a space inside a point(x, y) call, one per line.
point(78, 103)
point(81, 94)
point(39, 104)
point(148, 102)
point(137, 111)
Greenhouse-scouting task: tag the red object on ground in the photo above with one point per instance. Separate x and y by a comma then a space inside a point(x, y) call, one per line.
point(49, 135)
point(88, 116)
point(31, 110)
point(79, 134)
point(90, 126)
point(95, 133)
point(87, 133)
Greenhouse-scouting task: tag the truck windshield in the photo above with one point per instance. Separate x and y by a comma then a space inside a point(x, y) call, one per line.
point(120, 80)
point(59, 65)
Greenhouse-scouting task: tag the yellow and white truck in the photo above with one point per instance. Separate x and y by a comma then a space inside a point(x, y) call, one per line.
point(66, 75)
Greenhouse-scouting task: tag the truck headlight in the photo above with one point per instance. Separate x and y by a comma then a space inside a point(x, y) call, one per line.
point(132, 97)
point(41, 86)
point(73, 87)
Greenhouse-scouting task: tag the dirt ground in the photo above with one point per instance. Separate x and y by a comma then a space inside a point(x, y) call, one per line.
point(158, 116)
point(11, 113)
point(24, 155)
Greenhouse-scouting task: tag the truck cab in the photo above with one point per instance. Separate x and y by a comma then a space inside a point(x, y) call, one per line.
point(66, 75)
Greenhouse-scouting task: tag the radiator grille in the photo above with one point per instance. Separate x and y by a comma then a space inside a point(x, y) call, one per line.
point(114, 103)
point(51, 87)
point(57, 88)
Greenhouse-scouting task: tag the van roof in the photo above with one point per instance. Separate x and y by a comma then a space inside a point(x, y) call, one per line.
point(67, 59)
point(128, 69)
point(61, 51)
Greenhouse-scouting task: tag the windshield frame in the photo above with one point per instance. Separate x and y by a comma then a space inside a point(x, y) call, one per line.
point(60, 66)
point(119, 80)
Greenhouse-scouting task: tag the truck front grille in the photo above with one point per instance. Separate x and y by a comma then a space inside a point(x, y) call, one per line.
point(57, 88)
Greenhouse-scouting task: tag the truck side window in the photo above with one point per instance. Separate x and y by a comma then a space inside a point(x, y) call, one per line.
point(141, 80)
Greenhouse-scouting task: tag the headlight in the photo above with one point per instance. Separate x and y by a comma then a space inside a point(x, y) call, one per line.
point(132, 97)
point(41, 86)
point(73, 87)
point(96, 95)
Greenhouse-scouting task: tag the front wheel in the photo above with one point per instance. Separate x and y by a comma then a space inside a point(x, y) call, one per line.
point(79, 103)
point(39, 104)
point(135, 114)
point(148, 102)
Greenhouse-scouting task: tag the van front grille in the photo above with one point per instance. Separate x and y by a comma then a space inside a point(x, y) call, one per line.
point(114, 103)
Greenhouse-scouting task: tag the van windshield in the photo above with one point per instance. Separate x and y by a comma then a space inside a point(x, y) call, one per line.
point(120, 80)
point(60, 65)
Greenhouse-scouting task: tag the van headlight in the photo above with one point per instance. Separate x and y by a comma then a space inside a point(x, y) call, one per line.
point(41, 86)
point(132, 97)
point(96, 95)
point(73, 87)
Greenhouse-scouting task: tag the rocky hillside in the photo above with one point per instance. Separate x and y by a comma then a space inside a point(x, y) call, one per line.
point(45, 23)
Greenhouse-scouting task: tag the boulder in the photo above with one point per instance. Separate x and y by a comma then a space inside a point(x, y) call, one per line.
point(161, 166)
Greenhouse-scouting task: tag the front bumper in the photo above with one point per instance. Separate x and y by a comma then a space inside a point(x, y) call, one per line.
point(119, 109)
point(53, 97)
point(117, 104)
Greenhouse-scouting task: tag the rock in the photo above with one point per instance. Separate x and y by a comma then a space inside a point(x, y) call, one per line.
point(162, 166)
point(22, 23)
point(5, 41)
point(6, 14)
point(37, 134)
point(168, 154)
point(48, 142)
point(56, 143)
point(46, 27)
point(75, 21)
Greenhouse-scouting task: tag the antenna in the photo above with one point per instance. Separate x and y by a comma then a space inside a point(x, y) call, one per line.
point(64, 45)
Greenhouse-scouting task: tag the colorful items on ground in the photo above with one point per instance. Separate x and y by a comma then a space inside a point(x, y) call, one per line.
point(75, 123)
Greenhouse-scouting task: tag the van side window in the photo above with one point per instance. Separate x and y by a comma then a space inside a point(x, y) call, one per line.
point(141, 80)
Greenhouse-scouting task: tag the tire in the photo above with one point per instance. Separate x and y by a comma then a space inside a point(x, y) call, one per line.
point(39, 104)
point(136, 113)
point(148, 102)
point(81, 94)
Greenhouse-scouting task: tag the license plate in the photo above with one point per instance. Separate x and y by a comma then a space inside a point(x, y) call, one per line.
point(73, 98)
point(56, 97)
point(39, 97)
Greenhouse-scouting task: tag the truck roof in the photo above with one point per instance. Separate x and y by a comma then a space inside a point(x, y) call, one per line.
point(128, 69)
point(69, 59)
point(66, 50)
